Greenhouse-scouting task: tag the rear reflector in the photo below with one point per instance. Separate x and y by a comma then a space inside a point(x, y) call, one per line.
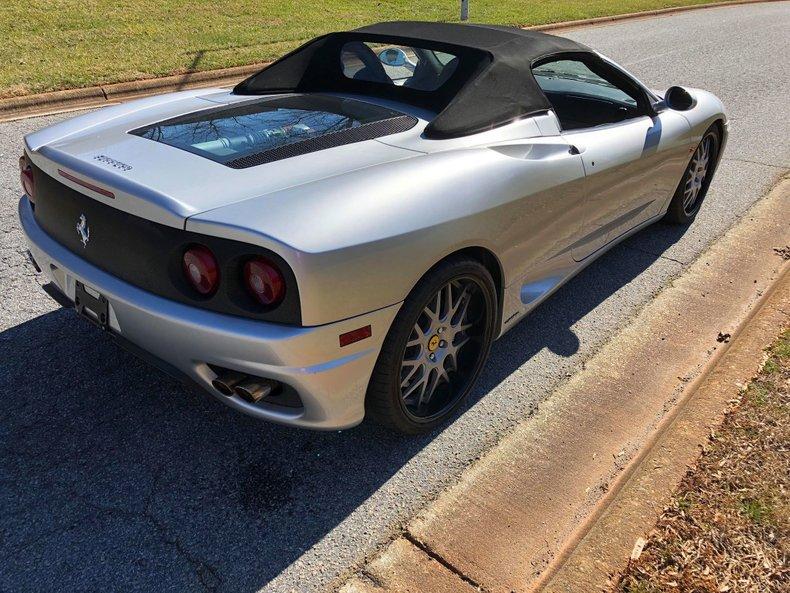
point(87, 185)
point(355, 335)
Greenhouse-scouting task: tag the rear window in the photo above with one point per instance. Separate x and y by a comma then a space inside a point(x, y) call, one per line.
point(412, 67)
point(231, 134)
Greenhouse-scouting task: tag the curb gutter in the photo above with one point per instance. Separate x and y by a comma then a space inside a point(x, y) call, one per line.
point(96, 96)
point(557, 505)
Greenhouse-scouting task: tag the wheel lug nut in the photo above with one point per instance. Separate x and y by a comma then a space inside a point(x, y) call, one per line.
point(442, 344)
point(432, 356)
point(440, 330)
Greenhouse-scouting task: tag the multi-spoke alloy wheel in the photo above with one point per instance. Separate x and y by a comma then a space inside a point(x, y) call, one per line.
point(436, 347)
point(444, 338)
point(692, 188)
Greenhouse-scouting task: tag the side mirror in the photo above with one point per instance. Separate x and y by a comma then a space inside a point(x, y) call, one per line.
point(679, 99)
point(393, 56)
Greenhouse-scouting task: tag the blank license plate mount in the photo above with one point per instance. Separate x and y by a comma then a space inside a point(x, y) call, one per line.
point(94, 308)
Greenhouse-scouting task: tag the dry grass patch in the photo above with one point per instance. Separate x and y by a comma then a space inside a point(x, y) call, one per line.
point(728, 528)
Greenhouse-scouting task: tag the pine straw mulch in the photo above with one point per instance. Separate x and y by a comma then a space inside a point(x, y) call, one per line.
point(728, 527)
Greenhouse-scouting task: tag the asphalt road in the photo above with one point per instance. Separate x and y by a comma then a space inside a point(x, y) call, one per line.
point(112, 476)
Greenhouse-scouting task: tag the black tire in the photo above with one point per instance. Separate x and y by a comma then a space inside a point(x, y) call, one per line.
point(384, 402)
point(679, 211)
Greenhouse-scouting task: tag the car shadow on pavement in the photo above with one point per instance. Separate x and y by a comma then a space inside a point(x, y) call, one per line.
point(116, 477)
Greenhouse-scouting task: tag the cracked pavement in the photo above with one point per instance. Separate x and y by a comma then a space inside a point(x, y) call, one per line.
point(113, 476)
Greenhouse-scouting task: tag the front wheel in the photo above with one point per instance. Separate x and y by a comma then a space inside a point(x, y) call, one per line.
point(435, 349)
point(693, 186)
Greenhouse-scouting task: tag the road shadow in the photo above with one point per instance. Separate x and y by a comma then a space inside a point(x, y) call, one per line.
point(116, 477)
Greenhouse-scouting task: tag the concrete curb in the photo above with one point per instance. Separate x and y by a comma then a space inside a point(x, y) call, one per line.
point(95, 96)
point(593, 561)
point(544, 509)
point(638, 15)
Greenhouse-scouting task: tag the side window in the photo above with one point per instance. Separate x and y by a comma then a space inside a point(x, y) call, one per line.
point(583, 98)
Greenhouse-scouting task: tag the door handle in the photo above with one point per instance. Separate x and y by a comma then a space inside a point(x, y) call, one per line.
point(573, 149)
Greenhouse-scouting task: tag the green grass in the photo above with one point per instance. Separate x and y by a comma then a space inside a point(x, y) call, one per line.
point(756, 510)
point(782, 348)
point(56, 44)
point(684, 502)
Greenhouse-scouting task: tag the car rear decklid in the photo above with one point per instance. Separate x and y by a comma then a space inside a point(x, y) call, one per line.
point(175, 159)
point(268, 129)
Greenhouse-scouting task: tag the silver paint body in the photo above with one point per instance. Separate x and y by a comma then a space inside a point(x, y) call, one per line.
point(359, 225)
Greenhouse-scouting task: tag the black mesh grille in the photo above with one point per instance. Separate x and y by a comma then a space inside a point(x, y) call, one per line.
point(348, 136)
point(148, 255)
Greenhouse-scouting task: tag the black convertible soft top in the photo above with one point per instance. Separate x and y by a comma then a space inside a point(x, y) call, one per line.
point(492, 85)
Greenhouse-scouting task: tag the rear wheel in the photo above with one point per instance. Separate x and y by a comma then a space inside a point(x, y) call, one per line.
point(435, 349)
point(694, 185)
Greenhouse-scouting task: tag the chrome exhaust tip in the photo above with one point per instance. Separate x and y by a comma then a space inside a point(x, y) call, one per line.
point(254, 390)
point(226, 381)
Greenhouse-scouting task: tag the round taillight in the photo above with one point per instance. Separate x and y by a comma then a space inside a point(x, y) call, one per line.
point(26, 177)
point(201, 269)
point(264, 281)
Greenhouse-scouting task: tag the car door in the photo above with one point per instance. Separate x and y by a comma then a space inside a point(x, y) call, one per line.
point(629, 152)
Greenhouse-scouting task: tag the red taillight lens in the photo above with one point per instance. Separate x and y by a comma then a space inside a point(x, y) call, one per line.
point(201, 269)
point(264, 281)
point(26, 177)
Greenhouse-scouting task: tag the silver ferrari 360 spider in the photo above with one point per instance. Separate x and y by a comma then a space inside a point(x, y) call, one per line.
point(346, 232)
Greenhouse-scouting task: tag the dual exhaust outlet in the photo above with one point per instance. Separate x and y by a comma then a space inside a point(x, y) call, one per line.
point(247, 387)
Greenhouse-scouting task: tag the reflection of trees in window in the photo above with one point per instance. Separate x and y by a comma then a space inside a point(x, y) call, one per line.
point(227, 136)
point(227, 133)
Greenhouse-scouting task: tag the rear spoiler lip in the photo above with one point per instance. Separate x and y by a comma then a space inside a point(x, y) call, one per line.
point(129, 196)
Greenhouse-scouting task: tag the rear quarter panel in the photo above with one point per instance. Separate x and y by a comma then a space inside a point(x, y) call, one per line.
point(361, 241)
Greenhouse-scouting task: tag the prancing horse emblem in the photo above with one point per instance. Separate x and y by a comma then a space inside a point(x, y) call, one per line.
point(83, 230)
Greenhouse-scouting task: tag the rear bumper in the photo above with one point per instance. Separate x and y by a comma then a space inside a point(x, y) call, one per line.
point(331, 381)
